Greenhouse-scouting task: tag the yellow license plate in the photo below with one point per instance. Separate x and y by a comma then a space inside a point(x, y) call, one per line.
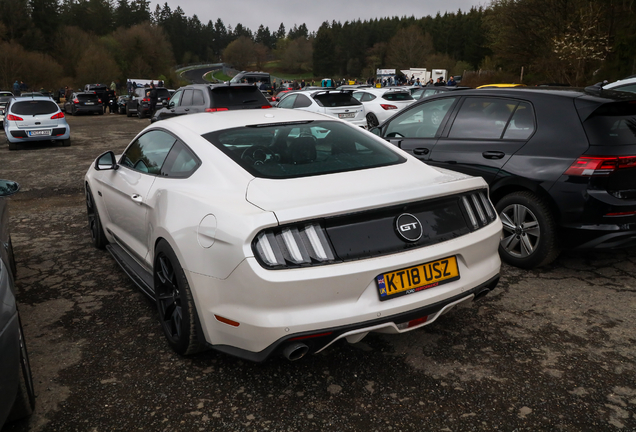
point(418, 278)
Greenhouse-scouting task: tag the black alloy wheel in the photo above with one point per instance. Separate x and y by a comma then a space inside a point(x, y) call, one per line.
point(94, 222)
point(372, 121)
point(177, 312)
point(25, 399)
point(528, 238)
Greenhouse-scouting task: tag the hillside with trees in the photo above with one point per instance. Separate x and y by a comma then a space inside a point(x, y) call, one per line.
point(51, 43)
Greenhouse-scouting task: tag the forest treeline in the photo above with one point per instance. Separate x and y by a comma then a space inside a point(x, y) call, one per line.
point(48, 43)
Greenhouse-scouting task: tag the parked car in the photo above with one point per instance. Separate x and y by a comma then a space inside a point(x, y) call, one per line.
point(337, 104)
point(99, 89)
point(4, 102)
point(84, 103)
point(197, 98)
point(139, 102)
point(627, 85)
point(422, 92)
point(279, 232)
point(262, 79)
point(36, 118)
point(382, 103)
point(560, 163)
point(17, 395)
point(122, 101)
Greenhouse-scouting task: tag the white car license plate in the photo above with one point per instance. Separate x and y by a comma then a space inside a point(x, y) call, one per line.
point(40, 133)
point(349, 115)
point(89, 103)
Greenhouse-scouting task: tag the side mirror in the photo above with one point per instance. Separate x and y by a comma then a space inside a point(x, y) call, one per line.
point(8, 187)
point(376, 131)
point(106, 162)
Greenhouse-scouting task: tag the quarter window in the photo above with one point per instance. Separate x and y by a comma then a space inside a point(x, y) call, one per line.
point(148, 152)
point(521, 124)
point(302, 101)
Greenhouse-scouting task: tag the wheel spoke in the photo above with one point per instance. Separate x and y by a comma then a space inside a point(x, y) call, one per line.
point(508, 224)
point(526, 246)
point(519, 214)
point(510, 243)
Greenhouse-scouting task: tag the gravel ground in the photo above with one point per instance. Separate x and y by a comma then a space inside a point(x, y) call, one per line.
point(550, 349)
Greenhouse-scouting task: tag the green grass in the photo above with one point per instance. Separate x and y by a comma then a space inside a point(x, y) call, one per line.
point(219, 75)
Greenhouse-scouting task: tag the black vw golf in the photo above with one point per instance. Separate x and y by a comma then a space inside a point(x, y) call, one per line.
point(561, 164)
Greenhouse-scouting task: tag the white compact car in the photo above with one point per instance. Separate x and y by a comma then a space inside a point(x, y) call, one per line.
point(382, 103)
point(334, 103)
point(279, 232)
point(35, 118)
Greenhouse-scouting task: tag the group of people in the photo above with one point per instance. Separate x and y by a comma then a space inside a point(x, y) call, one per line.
point(19, 87)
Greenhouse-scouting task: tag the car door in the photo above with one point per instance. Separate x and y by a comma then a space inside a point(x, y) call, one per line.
point(483, 136)
point(173, 109)
point(416, 129)
point(126, 191)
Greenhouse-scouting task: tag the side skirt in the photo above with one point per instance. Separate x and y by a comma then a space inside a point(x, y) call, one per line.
point(140, 276)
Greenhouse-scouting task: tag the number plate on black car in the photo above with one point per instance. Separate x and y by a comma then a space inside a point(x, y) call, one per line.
point(418, 278)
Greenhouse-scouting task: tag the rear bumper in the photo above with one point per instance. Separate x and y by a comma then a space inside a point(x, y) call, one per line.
point(21, 136)
point(598, 236)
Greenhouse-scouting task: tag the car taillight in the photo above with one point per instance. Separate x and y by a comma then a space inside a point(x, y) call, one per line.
point(146, 99)
point(295, 246)
point(76, 100)
point(266, 106)
point(215, 109)
point(57, 116)
point(14, 118)
point(99, 101)
point(388, 107)
point(587, 166)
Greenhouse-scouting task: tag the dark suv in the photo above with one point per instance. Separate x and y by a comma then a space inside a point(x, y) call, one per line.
point(100, 90)
point(561, 164)
point(196, 98)
point(262, 79)
point(139, 102)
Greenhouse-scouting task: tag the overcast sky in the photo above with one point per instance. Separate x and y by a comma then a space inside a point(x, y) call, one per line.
point(270, 13)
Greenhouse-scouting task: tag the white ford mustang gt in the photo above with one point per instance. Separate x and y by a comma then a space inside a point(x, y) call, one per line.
point(279, 232)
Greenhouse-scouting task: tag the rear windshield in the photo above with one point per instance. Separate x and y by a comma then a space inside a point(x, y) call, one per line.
point(87, 97)
point(237, 96)
point(612, 124)
point(302, 149)
point(331, 100)
point(163, 93)
point(397, 96)
point(34, 107)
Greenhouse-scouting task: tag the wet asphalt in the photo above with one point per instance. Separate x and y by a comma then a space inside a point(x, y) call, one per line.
point(549, 349)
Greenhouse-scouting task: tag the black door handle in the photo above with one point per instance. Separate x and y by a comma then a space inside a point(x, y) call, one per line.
point(493, 154)
point(420, 151)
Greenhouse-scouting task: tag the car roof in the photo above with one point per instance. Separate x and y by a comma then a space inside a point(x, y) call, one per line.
point(629, 80)
point(203, 123)
point(33, 98)
point(601, 96)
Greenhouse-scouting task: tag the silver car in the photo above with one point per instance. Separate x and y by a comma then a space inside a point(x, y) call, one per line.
point(35, 118)
point(17, 397)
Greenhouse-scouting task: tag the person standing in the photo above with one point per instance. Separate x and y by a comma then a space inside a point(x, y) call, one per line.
point(152, 94)
point(16, 88)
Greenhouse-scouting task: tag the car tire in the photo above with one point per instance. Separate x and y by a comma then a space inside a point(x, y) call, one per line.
point(177, 312)
point(372, 121)
point(128, 113)
point(25, 399)
point(528, 238)
point(94, 222)
point(140, 113)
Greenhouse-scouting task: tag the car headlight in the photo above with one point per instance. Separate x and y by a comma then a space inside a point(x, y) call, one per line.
point(293, 246)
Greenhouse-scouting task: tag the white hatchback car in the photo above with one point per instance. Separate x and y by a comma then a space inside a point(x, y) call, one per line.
point(334, 103)
point(35, 118)
point(279, 232)
point(382, 103)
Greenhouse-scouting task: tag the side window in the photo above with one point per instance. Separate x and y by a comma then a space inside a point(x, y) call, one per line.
point(521, 125)
point(197, 98)
point(482, 118)
point(302, 101)
point(147, 153)
point(180, 163)
point(174, 100)
point(186, 99)
point(421, 121)
point(287, 102)
point(367, 97)
point(626, 88)
point(358, 95)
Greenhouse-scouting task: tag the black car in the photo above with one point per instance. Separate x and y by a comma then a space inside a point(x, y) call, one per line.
point(139, 102)
point(17, 395)
point(99, 89)
point(561, 164)
point(122, 101)
point(262, 80)
point(197, 98)
point(84, 102)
